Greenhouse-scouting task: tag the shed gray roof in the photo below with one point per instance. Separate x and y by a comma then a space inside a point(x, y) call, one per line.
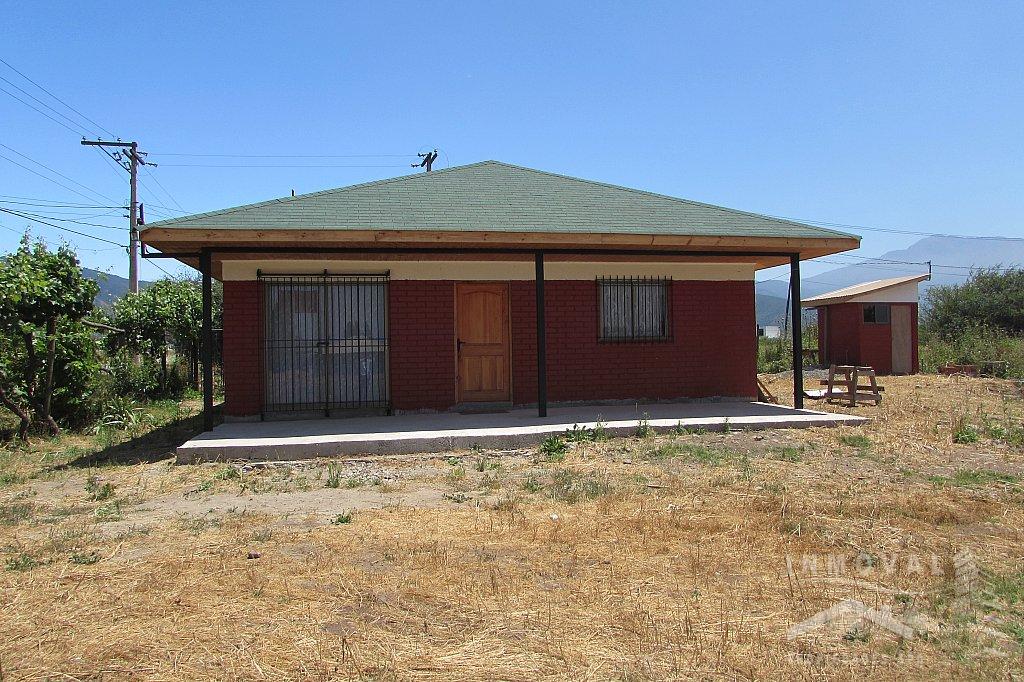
point(495, 196)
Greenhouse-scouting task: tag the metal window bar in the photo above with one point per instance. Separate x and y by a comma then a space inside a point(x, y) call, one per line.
point(325, 343)
point(634, 309)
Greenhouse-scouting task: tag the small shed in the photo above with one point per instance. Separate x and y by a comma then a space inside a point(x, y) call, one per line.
point(873, 323)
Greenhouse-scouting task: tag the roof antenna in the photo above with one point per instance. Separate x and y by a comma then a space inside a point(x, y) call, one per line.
point(428, 160)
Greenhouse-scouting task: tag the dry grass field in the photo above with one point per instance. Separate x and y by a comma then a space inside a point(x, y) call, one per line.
point(681, 556)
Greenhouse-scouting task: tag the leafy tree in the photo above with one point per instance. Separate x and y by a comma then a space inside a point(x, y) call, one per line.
point(992, 298)
point(169, 312)
point(43, 298)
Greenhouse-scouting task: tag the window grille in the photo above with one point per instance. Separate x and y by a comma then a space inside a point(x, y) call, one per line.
point(876, 313)
point(325, 343)
point(634, 309)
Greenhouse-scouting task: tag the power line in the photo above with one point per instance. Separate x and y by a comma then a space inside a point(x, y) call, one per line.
point(43, 165)
point(61, 227)
point(895, 231)
point(885, 261)
point(30, 216)
point(61, 184)
point(54, 201)
point(78, 247)
point(9, 66)
point(35, 202)
point(211, 165)
point(41, 102)
point(153, 177)
point(41, 210)
point(40, 111)
point(288, 156)
point(158, 267)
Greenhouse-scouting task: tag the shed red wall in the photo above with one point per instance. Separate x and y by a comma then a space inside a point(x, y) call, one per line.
point(713, 350)
point(849, 340)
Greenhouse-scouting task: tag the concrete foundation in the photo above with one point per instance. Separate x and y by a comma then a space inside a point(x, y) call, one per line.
point(409, 433)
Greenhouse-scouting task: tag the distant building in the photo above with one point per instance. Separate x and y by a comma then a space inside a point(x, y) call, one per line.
point(770, 331)
point(874, 323)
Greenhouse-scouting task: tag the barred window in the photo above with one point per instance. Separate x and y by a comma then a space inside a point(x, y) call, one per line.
point(634, 308)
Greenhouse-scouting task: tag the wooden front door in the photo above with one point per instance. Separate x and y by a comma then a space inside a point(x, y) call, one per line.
point(482, 342)
point(902, 339)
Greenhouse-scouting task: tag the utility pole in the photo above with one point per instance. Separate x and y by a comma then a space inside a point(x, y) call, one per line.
point(134, 159)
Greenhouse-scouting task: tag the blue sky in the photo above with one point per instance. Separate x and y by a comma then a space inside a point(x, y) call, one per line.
point(893, 115)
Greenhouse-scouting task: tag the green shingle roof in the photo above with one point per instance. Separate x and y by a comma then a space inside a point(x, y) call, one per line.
point(495, 196)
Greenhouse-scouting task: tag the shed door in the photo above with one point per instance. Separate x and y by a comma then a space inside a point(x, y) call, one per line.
point(902, 351)
point(482, 342)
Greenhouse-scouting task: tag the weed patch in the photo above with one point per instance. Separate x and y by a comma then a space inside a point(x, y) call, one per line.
point(16, 512)
point(788, 454)
point(342, 518)
point(568, 485)
point(972, 477)
point(857, 440)
point(553, 449)
point(84, 558)
point(98, 491)
point(21, 562)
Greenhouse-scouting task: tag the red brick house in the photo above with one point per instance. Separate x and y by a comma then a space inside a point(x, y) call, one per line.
point(872, 324)
point(421, 293)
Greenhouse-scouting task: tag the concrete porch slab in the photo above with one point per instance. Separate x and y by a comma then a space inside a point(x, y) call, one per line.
point(438, 432)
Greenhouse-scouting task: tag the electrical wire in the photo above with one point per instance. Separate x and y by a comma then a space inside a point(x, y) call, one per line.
point(32, 216)
point(159, 184)
point(41, 102)
point(210, 165)
point(9, 66)
point(61, 184)
point(40, 111)
point(58, 173)
point(65, 229)
point(35, 202)
point(286, 156)
point(158, 267)
point(823, 223)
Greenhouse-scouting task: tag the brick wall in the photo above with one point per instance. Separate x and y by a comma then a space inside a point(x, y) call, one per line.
point(421, 322)
point(712, 352)
point(243, 371)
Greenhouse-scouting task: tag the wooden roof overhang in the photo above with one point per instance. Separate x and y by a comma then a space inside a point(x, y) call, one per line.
point(185, 245)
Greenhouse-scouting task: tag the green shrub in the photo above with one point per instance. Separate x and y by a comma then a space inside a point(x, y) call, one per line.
point(554, 449)
point(976, 345)
point(21, 562)
point(134, 378)
point(643, 427)
point(343, 518)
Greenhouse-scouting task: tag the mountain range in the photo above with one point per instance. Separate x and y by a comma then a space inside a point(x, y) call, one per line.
point(112, 287)
point(952, 259)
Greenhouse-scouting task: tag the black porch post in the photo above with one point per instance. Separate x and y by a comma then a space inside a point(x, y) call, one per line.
point(206, 267)
point(542, 359)
point(798, 332)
